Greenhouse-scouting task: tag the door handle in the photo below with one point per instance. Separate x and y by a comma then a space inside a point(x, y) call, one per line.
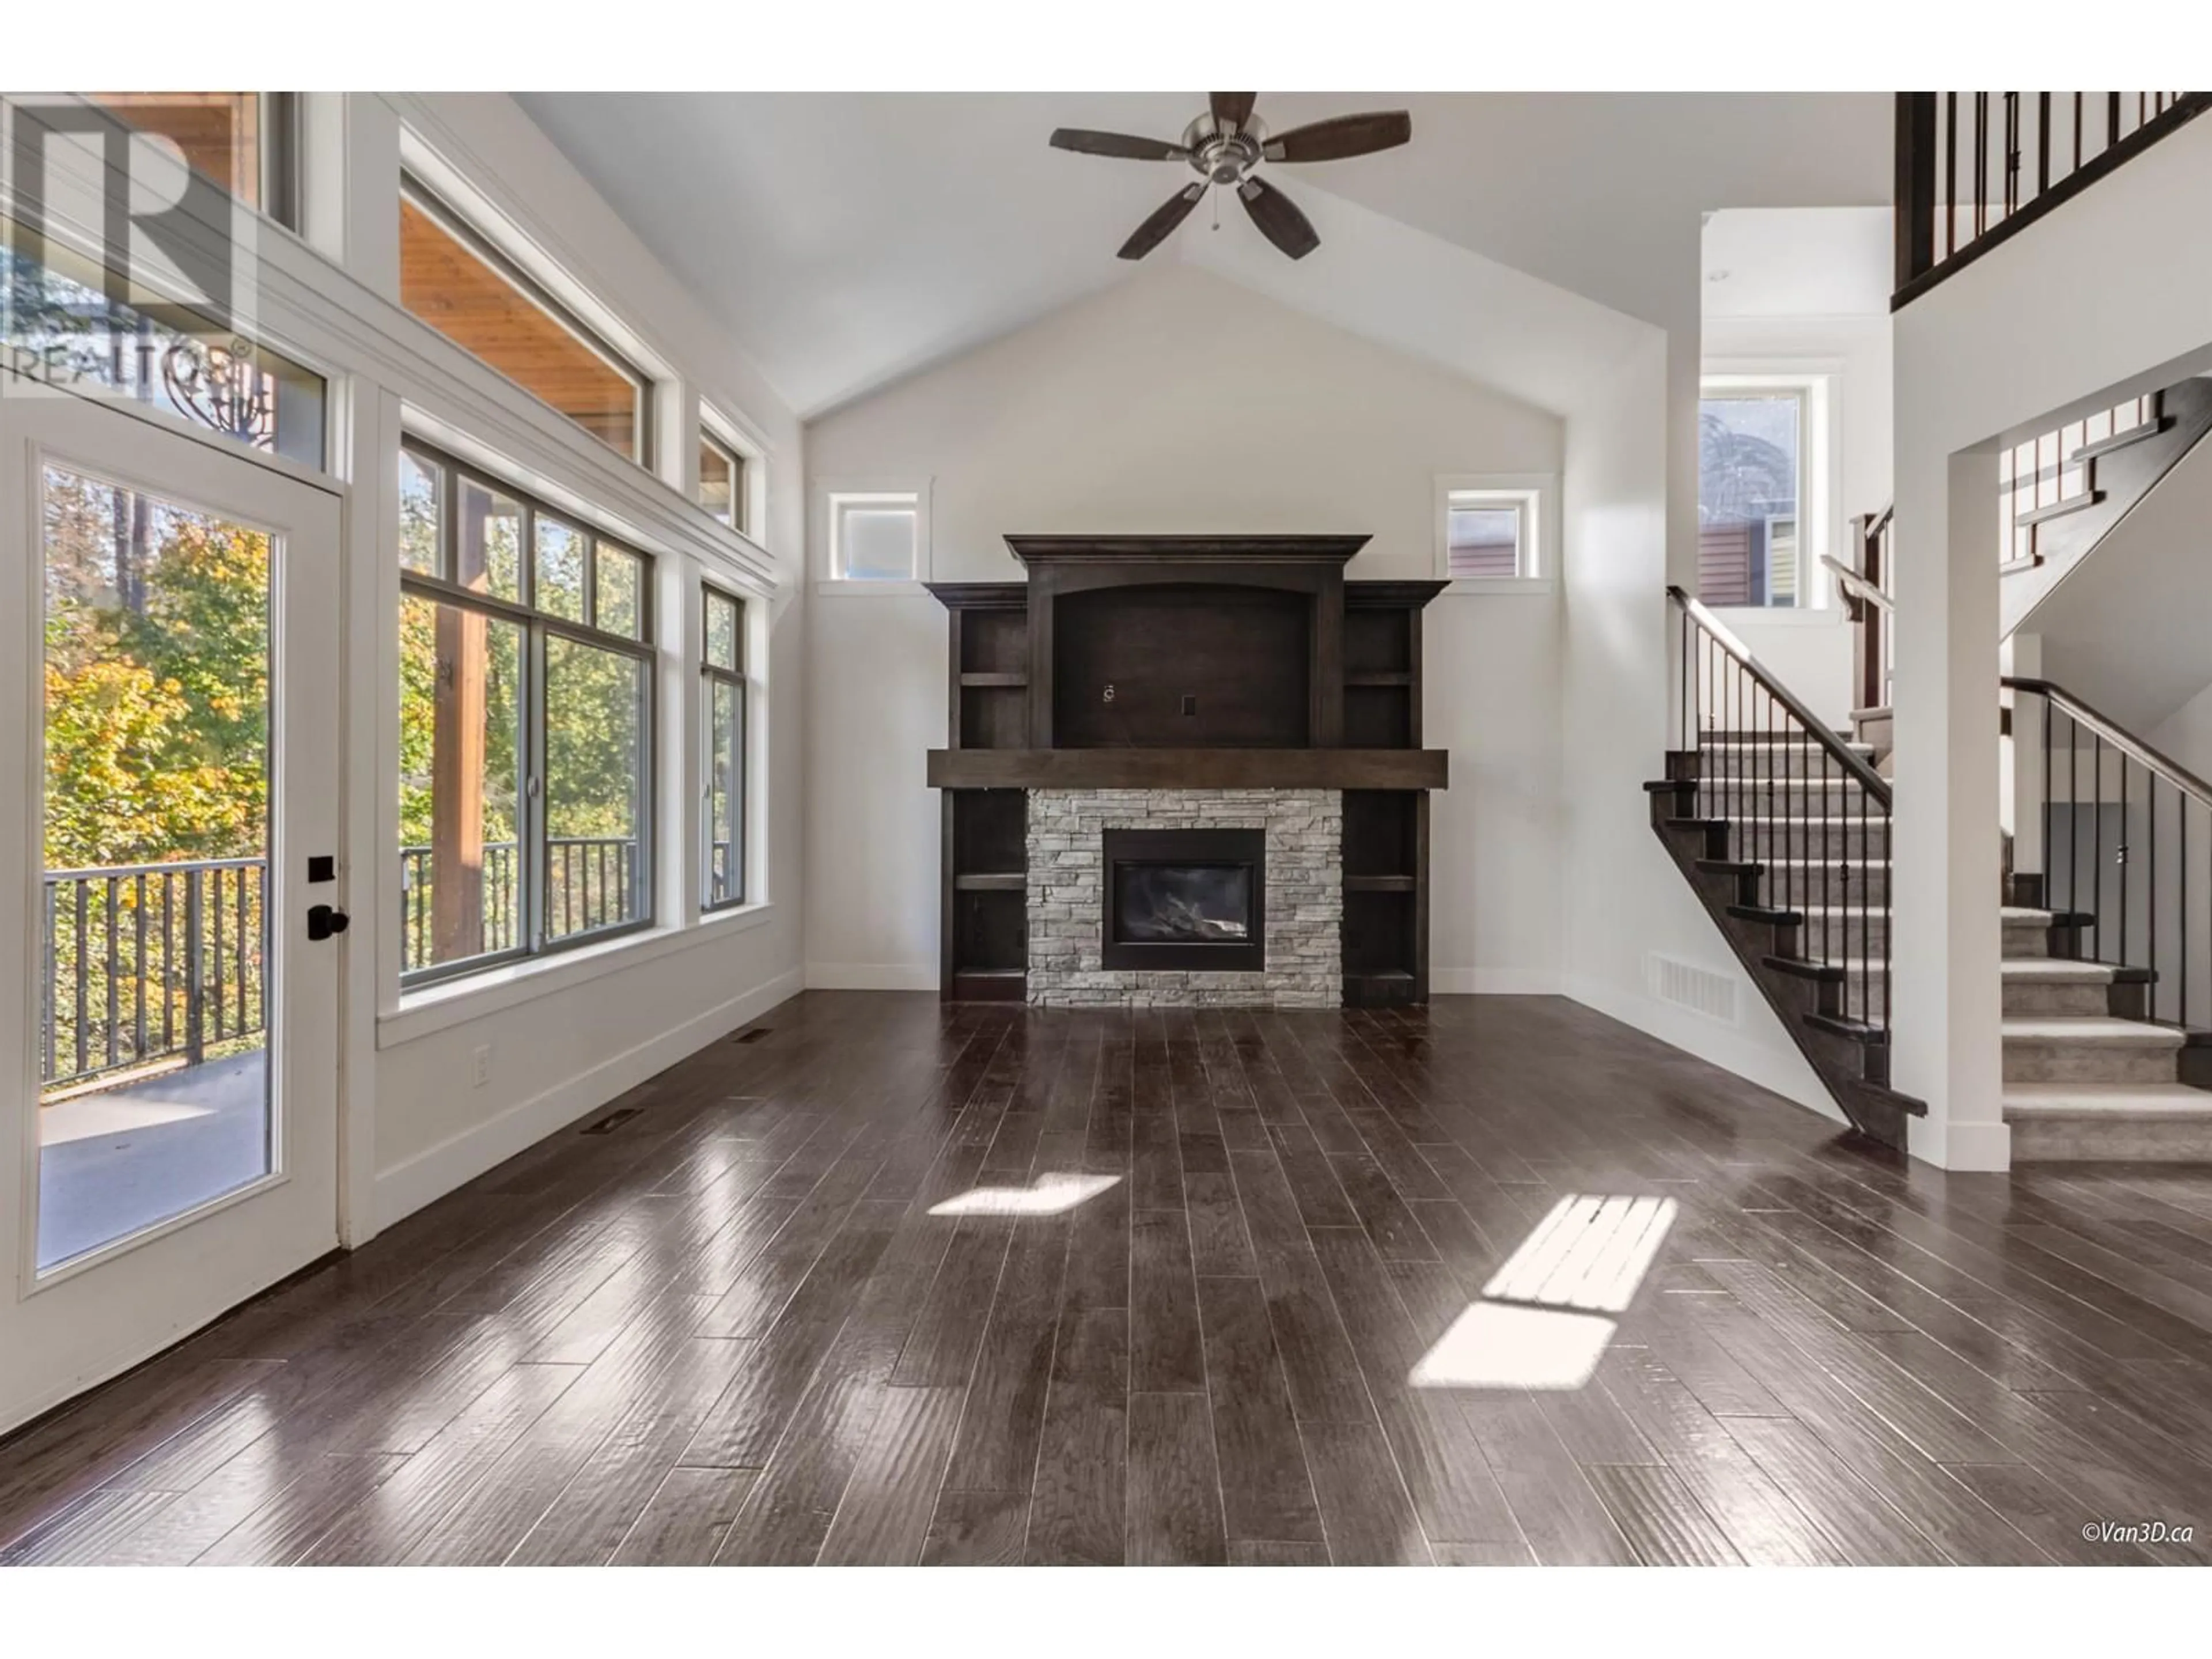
point(323, 921)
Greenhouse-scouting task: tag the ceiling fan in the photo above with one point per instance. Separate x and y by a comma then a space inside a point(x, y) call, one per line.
point(1224, 145)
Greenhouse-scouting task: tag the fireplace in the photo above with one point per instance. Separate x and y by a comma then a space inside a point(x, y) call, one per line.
point(1183, 899)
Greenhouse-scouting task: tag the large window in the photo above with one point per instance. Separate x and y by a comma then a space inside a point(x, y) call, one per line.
point(1753, 451)
point(525, 719)
point(456, 281)
point(722, 701)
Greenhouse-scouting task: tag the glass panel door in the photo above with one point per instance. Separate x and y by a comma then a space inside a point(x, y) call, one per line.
point(175, 747)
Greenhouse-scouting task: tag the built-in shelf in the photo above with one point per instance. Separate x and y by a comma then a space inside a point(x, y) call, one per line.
point(1014, 881)
point(1381, 884)
point(986, 682)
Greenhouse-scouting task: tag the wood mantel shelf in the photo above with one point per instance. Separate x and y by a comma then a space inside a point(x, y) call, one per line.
point(1188, 769)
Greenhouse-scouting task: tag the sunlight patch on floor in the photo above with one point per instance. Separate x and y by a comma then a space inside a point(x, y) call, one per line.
point(1542, 1322)
point(1048, 1195)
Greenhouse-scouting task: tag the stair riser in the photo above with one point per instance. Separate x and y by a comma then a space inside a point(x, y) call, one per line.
point(1717, 798)
point(2025, 941)
point(1867, 1002)
point(2061, 1062)
point(1837, 939)
point(2098, 1139)
point(2039, 1001)
point(1800, 840)
point(1839, 882)
point(1781, 760)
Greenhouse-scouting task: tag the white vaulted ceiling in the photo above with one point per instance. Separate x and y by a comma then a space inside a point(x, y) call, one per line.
point(848, 240)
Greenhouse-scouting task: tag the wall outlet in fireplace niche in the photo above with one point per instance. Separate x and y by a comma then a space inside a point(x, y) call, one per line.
point(1190, 705)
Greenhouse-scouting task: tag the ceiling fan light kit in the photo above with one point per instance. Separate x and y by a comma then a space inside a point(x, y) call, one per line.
point(1223, 146)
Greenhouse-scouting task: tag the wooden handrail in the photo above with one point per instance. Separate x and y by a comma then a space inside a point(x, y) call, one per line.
point(1854, 765)
point(1858, 585)
point(2105, 726)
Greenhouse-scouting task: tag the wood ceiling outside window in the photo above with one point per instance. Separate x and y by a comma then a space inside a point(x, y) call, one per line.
point(459, 291)
point(219, 132)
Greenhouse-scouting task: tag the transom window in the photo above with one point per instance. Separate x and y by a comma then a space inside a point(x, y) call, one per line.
point(724, 481)
point(463, 287)
point(246, 142)
point(525, 714)
point(722, 675)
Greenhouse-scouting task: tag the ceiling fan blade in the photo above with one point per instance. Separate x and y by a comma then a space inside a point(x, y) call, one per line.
point(1232, 110)
point(1279, 218)
point(1342, 136)
point(1165, 218)
point(1119, 145)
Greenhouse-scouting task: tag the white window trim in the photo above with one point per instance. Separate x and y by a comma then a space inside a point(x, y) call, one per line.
point(1820, 381)
point(828, 494)
point(1537, 496)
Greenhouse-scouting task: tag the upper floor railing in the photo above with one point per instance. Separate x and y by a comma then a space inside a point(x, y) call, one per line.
point(1975, 167)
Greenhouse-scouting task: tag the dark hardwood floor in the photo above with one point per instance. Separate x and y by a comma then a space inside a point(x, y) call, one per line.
point(737, 1328)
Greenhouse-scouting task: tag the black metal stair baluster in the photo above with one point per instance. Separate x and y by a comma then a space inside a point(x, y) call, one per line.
point(2121, 856)
point(2097, 836)
point(2150, 883)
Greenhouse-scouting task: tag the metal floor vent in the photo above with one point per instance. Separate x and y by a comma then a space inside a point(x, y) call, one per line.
point(754, 1034)
point(1685, 985)
point(612, 1121)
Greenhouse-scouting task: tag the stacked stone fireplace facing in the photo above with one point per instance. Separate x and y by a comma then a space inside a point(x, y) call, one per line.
point(1303, 897)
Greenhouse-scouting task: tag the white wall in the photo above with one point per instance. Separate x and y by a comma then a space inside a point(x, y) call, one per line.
point(1624, 895)
point(2046, 327)
point(564, 1044)
point(1178, 402)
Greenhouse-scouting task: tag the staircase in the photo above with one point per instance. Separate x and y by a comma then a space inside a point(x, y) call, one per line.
point(1782, 829)
point(2104, 1029)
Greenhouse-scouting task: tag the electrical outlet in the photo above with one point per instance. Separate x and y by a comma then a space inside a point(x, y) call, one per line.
point(480, 1067)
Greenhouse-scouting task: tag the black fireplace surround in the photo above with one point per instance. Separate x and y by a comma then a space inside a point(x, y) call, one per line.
point(1184, 899)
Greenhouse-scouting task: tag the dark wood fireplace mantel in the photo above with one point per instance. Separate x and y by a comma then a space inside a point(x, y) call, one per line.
point(1166, 662)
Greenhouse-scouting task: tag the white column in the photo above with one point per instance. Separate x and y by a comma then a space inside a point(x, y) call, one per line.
point(1945, 937)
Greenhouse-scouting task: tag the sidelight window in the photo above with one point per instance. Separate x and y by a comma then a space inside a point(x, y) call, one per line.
point(525, 713)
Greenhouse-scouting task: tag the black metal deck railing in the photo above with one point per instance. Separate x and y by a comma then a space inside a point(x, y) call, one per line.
point(144, 963)
point(591, 882)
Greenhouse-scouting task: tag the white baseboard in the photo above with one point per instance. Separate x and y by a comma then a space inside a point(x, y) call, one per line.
point(1986, 1146)
point(1494, 982)
point(871, 977)
point(431, 1174)
point(1785, 1070)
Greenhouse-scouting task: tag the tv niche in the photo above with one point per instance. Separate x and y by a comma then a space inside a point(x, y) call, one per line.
point(1180, 900)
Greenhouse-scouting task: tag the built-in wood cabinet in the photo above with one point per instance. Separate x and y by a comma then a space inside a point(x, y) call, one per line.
point(1162, 662)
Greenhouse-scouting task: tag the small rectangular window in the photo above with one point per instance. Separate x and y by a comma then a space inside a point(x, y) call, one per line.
point(455, 281)
point(874, 538)
point(721, 667)
point(525, 710)
point(722, 482)
point(1487, 530)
